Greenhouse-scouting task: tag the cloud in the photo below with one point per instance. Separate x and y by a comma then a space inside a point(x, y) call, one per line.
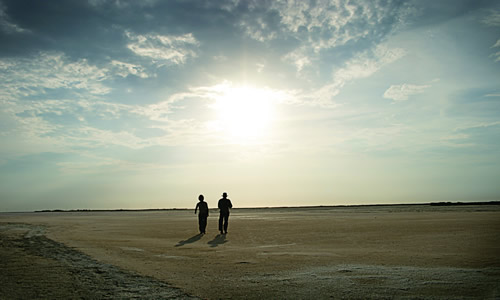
point(459, 140)
point(299, 58)
point(92, 137)
point(493, 19)
point(362, 66)
point(497, 54)
point(325, 25)
point(124, 69)
point(123, 4)
point(205, 94)
point(204, 128)
point(46, 117)
point(165, 49)
point(368, 63)
point(6, 25)
point(220, 58)
point(482, 134)
point(69, 125)
point(258, 29)
point(30, 98)
point(326, 18)
point(479, 125)
point(56, 103)
point(49, 73)
point(404, 91)
point(492, 95)
point(29, 76)
point(320, 25)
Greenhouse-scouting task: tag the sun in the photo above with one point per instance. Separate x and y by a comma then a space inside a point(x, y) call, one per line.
point(244, 113)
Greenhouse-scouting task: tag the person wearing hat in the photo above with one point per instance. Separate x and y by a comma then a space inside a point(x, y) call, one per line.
point(224, 206)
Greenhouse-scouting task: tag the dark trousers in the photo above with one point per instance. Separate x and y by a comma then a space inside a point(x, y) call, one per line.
point(223, 218)
point(202, 221)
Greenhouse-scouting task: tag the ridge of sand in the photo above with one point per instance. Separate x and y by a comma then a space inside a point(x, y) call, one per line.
point(35, 267)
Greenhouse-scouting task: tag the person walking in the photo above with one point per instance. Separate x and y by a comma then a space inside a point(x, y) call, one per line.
point(203, 214)
point(224, 206)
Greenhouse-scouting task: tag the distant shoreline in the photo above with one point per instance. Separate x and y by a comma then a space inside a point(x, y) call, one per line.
point(275, 207)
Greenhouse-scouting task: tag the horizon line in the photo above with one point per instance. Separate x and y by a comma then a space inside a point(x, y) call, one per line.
point(441, 203)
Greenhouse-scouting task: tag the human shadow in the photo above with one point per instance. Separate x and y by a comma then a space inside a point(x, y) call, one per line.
point(218, 240)
point(189, 240)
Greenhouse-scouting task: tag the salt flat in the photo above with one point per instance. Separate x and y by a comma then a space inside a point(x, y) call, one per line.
point(407, 251)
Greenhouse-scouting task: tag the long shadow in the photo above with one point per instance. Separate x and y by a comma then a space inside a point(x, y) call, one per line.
point(218, 240)
point(190, 240)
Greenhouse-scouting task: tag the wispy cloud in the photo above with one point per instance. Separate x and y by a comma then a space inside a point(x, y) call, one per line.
point(68, 124)
point(362, 66)
point(164, 49)
point(403, 91)
point(492, 95)
point(121, 4)
point(38, 75)
point(474, 135)
point(258, 29)
point(82, 126)
point(368, 63)
point(124, 69)
point(6, 25)
point(479, 125)
point(497, 54)
point(55, 101)
point(493, 19)
point(299, 58)
point(64, 122)
point(326, 25)
point(23, 77)
point(329, 19)
point(458, 140)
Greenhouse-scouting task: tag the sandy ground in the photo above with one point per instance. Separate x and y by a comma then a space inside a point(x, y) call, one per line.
point(423, 252)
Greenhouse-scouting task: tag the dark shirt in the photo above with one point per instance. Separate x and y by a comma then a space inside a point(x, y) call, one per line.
point(225, 205)
point(203, 207)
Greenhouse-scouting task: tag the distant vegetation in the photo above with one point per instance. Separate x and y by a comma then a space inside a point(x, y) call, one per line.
point(319, 206)
point(105, 210)
point(465, 203)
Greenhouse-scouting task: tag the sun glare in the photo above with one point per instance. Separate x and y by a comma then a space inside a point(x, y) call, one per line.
point(244, 114)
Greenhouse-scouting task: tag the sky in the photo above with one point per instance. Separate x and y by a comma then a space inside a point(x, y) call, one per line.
point(109, 104)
